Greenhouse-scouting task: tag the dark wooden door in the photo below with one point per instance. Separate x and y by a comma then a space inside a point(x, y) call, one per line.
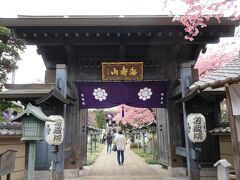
point(162, 133)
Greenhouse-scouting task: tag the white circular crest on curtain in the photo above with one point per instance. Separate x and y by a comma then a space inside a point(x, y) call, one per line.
point(145, 93)
point(100, 94)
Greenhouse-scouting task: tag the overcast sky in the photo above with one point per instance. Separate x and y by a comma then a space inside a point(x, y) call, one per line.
point(12, 8)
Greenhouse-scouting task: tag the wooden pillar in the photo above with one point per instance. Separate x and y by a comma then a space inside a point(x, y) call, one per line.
point(85, 135)
point(163, 136)
point(186, 81)
point(83, 138)
point(153, 148)
point(234, 135)
point(61, 85)
point(72, 162)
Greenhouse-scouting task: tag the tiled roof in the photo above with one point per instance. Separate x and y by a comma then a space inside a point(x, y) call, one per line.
point(40, 92)
point(221, 130)
point(10, 129)
point(226, 74)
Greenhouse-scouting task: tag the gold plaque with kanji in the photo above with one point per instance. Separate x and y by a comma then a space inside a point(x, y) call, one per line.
point(127, 71)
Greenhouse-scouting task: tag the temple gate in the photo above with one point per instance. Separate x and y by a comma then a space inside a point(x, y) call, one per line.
point(73, 48)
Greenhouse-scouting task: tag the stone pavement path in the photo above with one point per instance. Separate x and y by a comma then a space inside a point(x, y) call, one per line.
point(107, 168)
point(134, 168)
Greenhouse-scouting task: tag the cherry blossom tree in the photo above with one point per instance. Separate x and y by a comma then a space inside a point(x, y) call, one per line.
point(92, 118)
point(219, 54)
point(134, 116)
point(197, 12)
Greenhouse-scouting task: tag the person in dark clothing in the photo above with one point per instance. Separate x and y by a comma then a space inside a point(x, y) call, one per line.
point(109, 142)
point(104, 139)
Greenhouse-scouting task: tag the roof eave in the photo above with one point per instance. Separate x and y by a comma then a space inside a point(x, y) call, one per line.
point(78, 21)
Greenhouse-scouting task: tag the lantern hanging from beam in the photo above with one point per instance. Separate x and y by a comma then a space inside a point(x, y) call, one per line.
point(122, 110)
point(54, 131)
point(196, 127)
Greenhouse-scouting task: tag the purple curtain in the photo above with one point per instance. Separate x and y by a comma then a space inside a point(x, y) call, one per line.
point(108, 94)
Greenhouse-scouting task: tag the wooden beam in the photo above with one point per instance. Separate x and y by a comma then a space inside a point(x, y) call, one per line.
point(182, 152)
point(234, 136)
point(141, 40)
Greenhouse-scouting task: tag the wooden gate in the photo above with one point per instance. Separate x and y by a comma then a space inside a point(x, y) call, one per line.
point(162, 134)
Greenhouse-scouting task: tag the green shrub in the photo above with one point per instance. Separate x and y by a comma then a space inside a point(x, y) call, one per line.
point(148, 157)
point(135, 145)
point(95, 153)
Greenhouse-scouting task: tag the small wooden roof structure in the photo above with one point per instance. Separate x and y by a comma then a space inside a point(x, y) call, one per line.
point(224, 77)
point(34, 93)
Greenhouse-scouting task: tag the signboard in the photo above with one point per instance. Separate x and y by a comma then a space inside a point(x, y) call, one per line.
point(122, 71)
point(54, 131)
point(196, 127)
point(7, 162)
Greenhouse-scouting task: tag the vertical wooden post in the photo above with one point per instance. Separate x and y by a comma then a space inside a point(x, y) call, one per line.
point(138, 136)
point(144, 142)
point(91, 143)
point(234, 136)
point(186, 81)
point(31, 160)
point(153, 150)
point(61, 85)
point(95, 145)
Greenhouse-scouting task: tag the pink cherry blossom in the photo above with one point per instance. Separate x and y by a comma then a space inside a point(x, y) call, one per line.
point(198, 12)
point(219, 54)
point(134, 116)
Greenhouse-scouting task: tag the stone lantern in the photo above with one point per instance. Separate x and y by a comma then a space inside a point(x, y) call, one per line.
point(96, 132)
point(33, 122)
point(137, 130)
point(90, 131)
point(143, 131)
point(152, 129)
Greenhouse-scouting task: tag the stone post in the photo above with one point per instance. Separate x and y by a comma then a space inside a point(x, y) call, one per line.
point(222, 169)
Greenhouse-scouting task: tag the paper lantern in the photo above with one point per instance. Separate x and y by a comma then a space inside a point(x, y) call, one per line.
point(196, 127)
point(54, 131)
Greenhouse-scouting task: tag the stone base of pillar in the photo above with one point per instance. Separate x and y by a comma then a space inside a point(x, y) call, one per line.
point(71, 173)
point(176, 171)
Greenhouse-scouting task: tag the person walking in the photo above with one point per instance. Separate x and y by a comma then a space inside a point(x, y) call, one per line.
point(121, 145)
point(109, 142)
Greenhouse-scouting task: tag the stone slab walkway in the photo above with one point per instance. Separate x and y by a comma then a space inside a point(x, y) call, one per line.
point(107, 168)
point(134, 168)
